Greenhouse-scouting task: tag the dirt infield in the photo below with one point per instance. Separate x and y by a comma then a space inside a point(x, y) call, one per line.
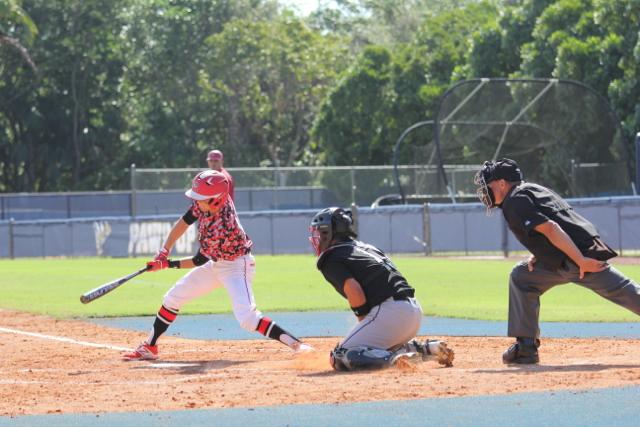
point(40, 374)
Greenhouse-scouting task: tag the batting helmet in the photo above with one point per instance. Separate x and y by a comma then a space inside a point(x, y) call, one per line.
point(209, 185)
point(329, 224)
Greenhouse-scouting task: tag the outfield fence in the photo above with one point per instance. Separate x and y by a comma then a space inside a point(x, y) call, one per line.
point(429, 229)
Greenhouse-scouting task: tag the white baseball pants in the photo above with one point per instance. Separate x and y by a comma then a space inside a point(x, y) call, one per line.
point(387, 326)
point(236, 276)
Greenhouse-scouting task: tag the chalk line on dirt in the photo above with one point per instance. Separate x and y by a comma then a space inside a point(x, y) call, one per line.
point(62, 339)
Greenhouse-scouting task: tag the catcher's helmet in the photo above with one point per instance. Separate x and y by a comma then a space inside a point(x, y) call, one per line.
point(329, 224)
point(506, 169)
point(209, 185)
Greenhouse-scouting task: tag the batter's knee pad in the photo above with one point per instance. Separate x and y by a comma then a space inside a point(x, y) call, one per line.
point(360, 358)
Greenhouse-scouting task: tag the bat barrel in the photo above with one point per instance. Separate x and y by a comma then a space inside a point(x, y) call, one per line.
point(96, 293)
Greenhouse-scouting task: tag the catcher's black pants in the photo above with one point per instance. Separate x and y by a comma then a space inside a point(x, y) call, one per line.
point(526, 287)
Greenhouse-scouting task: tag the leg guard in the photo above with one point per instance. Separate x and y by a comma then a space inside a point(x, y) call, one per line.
point(360, 358)
point(164, 319)
point(269, 328)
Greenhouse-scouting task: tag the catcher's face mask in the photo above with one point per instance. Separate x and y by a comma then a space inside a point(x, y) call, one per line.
point(319, 239)
point(506, 169)
point(481, 180)
point(330, 224)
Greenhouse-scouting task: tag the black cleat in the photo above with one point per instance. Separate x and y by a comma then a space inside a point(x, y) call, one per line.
point(523, 352)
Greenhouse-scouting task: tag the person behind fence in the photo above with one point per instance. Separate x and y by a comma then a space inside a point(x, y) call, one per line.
point(215, 161)
point(224, 259)
point(388, 313)
point(564, 247)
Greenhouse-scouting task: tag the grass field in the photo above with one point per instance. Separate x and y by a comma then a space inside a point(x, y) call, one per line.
point(475, 289)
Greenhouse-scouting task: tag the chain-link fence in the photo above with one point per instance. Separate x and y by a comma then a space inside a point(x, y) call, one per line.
point(161, 191)
point(340, 185)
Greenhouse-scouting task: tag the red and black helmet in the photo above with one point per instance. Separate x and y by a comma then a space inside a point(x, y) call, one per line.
point(209, 185)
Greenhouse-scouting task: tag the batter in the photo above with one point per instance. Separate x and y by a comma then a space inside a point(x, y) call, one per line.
point(223, 260)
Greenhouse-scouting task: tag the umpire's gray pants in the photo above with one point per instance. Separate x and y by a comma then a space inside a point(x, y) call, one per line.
point(525, 288)
point(387, 326)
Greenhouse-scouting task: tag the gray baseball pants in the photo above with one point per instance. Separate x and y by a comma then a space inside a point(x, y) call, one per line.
point(387, 326)
point(526, 287)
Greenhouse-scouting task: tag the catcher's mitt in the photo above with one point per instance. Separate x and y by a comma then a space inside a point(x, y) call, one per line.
point(442, 352)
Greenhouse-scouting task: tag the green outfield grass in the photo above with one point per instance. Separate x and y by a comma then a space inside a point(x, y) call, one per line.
point(471, 289)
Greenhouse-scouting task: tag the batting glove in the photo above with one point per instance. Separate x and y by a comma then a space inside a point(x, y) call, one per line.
point(163, 253)
point(158, 264)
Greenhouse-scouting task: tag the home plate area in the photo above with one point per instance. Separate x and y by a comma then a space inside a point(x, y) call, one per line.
point(70, 366)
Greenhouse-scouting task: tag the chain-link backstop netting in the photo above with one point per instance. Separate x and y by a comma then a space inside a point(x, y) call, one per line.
point(562, 133)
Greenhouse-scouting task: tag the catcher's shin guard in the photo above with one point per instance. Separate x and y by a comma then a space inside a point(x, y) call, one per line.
point(360, 358)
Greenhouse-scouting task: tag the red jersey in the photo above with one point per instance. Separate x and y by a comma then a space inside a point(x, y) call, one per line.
point(220, 234)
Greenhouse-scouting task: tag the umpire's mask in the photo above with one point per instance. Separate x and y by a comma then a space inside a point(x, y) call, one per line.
point(506, 169)
point(328, 225)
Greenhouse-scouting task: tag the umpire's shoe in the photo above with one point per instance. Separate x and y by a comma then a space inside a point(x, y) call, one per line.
point(524, 351)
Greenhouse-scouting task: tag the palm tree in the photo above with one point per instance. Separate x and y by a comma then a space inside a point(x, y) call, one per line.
point(12, 13)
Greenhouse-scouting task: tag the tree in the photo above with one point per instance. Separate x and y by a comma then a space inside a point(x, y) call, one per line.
point(269, 78)
point(18, 76)
point(591, 42)
point(383, 94)
point(620, 20)
point(13, 17)
point(60, 136)
point(351, 126)
point(167, 108)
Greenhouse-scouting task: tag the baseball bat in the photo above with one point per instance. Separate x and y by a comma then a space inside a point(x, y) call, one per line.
point(108, 287)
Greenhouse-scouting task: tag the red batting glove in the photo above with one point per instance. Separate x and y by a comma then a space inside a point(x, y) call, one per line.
point(158, 264)
point(163, 253)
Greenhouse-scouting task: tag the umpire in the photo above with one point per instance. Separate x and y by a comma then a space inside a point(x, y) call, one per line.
point(388, 315)
point(565, 248)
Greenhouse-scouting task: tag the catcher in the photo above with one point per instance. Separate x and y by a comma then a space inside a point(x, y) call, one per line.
point(388, 315)
point(565, 247)
point(224, 259)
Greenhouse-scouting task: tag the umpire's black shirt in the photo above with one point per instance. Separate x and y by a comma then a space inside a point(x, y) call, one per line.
point(367, 264)
point(528, 205)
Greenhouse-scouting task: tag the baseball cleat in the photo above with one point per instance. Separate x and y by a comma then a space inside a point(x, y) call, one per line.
point(301, 347)
point(143, 352)
point(403, 358)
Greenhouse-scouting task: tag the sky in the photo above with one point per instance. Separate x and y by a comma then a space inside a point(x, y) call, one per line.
point(304, 6)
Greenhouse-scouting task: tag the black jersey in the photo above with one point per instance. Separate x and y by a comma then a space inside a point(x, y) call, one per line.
point(528, 205)
point(375, 272)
